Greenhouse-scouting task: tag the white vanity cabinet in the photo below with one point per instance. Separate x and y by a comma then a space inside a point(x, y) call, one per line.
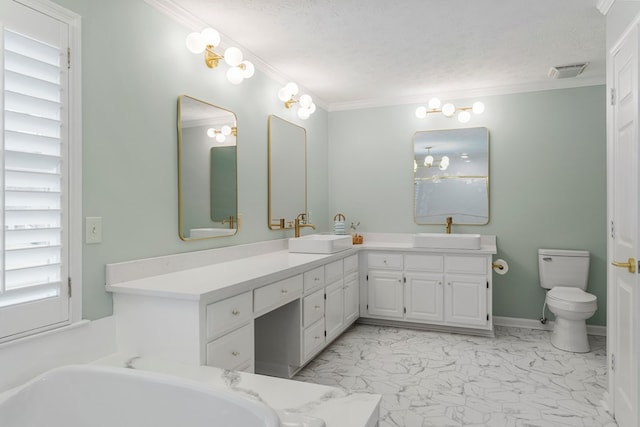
point(450, 291)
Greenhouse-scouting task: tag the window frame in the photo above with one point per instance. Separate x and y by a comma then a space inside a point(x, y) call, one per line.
point(74, 160)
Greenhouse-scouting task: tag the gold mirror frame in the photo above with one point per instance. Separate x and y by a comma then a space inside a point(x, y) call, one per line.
point(287, 172)
point(456, 188)
point(196, 219)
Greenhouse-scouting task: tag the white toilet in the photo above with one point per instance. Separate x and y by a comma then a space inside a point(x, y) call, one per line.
point(565, 273)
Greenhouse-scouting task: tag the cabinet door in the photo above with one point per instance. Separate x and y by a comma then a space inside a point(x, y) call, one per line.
point(466, 300)
point(423, 297)
point(351, 298)
point(385, 294)
point(333, 310)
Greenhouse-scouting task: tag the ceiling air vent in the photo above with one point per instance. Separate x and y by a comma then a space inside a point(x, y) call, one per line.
point(566, 71)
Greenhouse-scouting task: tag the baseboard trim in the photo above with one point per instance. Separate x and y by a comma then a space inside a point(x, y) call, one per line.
point(516, 322)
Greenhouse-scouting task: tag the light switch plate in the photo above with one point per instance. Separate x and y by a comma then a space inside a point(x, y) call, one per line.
point(93, 229)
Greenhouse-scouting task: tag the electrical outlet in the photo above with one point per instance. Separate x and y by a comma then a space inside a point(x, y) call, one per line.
point(93, 230)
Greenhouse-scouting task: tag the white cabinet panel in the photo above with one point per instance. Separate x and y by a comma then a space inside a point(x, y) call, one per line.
point(313, 339)
point(386, 294)
point(232, 350)
point(423, 297)
point(334, 310)
point(351, 264)
point(228, 314)
point(313, 279)
point(423, 262)
point(351, 298)
point(277, 294)
point(333, 272)
point(377, 260)
point(466, 300)
point(313, 308)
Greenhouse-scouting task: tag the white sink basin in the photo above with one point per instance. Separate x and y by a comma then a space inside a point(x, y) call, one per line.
point(320, 244)
point(446, 241)
point(199, 233)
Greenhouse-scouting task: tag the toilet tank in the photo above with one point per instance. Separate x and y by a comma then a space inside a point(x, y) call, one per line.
point(558, 267)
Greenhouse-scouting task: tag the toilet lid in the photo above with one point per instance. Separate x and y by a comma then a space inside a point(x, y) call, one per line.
point(571, 294)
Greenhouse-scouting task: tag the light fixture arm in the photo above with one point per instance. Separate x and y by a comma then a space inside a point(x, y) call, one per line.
point(211, 57)
point(289, 103)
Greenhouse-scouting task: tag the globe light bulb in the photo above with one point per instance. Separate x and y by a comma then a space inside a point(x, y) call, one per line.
point(195, 43)
point(428, 160)
point(210, 37)
point(305, 101)
point(464, 116)
point(421, 112)
point(284, 95)
point(220, 137)
point(434, 103)
point(292, 88)
point(248, 70)
point(233, 56)
point(448, 109)
point(226, 130)
point(235, 75)
point(312, 108)
point(211, 133)
point(478, 107)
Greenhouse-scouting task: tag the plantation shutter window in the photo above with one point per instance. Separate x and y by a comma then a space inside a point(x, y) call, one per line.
point(34, 284)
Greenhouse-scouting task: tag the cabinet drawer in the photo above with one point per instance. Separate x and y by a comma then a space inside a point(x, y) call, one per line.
point(353, 277)
point(466, 264)
point(424, 262)
point(227, 314)
point(313, 308)
point(313, 278)
point(313, 339)
point(333, 272)
point(382, 260)
point(232, 350)
point(277, 294)
point(351, 264)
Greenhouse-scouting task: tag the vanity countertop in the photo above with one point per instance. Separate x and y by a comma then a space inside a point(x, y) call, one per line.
point(336, 407)
point(225, 279)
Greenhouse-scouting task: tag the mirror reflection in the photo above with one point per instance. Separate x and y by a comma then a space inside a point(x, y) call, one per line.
point(451, 176)
point(287, 172)
point(207, 170)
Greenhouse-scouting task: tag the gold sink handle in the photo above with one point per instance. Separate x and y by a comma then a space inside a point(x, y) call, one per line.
point(630, 265)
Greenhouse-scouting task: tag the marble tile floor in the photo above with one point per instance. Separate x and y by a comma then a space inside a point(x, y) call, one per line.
point(437, 379)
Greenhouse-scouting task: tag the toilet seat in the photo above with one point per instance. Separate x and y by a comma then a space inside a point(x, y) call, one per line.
point(571, 299)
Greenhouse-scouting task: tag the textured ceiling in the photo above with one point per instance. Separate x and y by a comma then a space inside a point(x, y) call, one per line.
point(373, 52)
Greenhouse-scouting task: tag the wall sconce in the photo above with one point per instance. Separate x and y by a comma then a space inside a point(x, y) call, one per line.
point(287, 94)
point(206, 41)
point(449, 110)
point(221, 134)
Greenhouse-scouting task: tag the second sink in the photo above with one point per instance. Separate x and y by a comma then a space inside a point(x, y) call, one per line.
point(320, 244)
point(446, 241)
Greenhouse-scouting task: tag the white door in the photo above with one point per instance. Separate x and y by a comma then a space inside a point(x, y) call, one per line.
point(465, 300)
point(351, 298)
point(423, 297)
point(622, 289)
point(334, 309)
point(385, 294)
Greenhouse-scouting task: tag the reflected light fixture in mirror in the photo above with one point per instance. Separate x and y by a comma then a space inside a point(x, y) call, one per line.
point(449, 110)
point(287, 95)
point(206, 41)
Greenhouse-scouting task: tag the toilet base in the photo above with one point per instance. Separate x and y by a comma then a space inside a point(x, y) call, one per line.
point(570, 335)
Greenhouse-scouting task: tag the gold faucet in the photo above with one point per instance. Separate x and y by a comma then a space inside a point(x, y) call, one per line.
point(449, 224)
point(298, 225)
point(229, 221)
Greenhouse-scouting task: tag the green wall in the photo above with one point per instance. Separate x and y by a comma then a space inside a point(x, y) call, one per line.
point(547, 159)
point(547, 182)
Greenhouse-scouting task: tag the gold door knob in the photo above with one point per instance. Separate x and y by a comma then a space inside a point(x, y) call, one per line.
point(630, 265)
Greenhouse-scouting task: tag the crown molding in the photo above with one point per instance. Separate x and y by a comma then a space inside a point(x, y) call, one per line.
point(604, 5)
point(469, 93)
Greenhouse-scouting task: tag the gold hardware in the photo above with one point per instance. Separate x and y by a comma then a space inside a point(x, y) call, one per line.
point(235, 353)
point(630, 265)
point(235, 312)
point(230, 221)
point(211, 58)
point(284, 291)
point(339, 217)
point(449, 224)
point(298, 225)
point(278, 224)
point(498, 266)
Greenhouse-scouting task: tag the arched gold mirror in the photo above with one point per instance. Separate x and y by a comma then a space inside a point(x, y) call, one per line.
point(207, 170)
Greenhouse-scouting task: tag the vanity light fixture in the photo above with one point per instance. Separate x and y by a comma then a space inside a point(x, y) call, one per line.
point(449, 110)
point(287, 95)
point(206, 41)
point(221, 134)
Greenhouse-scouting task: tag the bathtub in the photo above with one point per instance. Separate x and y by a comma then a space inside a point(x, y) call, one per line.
point(100, 396)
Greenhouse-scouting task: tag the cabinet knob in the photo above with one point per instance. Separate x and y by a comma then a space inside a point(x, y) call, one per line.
point(317, 279)
point(235, 312)
point(317, 307)
point(317, 337)
point(284, 291)
point(235, 353)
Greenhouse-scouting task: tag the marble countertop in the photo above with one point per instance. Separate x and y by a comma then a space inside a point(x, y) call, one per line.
point(297, 403)
point(217, 281)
